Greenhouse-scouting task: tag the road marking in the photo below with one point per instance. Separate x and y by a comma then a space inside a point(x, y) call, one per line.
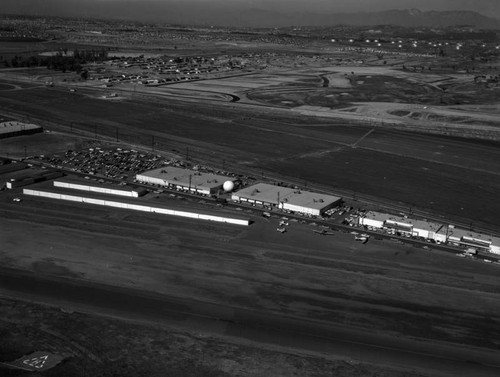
point(361, 138)
point(37, 362)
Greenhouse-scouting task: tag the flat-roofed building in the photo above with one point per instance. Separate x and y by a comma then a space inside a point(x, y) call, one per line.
point(81, 198)
point(469, 239)
point(425, 229)
point(432, 231)
point(103, 188)
point(24, 177)
point(306, 202)
point(184, 179)
point(13, 128)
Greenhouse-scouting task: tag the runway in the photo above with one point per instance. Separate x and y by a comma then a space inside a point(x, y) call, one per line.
point(238, 323)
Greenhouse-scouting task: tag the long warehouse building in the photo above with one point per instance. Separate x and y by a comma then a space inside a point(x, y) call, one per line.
point(293, 200)
point(102, 199)
point(76, 184)
point(184, 179)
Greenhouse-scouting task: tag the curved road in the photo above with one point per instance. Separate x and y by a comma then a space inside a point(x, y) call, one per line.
point(270, 328)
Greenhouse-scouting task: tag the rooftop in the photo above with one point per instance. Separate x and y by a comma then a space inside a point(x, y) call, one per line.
point(105, 185)
point(419, 224)
point(157, 201)
point(459, 233)
point(12, 126)
point(272, 194)
point(185, 177)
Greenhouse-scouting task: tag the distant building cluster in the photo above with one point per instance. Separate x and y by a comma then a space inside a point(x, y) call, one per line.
point(427, 230)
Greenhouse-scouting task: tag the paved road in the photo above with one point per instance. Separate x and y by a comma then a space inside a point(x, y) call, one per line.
point(260, 327)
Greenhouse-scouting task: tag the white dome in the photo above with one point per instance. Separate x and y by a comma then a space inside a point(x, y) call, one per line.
point(228, 186)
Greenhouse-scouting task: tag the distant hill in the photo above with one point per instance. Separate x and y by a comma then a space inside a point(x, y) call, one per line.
point(239, 13)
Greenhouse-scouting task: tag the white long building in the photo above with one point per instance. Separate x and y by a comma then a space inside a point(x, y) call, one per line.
point(74, 184)
point(294, 200)
point(132, 204)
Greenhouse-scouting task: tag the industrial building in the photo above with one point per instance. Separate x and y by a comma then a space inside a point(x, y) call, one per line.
point(75, 184)
point(12, 128)
point(184, 179)
point(403, 225)
point(11, 167)
point(24, 177)
point(293, 200)
point(468, 239)
point(431, 231)
point(130, 204)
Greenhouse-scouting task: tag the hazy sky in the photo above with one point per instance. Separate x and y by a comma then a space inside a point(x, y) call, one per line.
point(216, 10)
point(486, 7)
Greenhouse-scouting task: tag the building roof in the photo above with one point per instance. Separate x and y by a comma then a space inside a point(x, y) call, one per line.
point(459, 233)
point(272, 194)
point(380, 216)
point(419, 224)
point(12, 126)
point(163, 201)
point(425, 225)
point(179, 176)
point(19, 175)
point(105, 185)
point(434, 227)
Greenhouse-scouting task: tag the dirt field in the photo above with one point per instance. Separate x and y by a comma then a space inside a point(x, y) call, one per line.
point(398, 290)
point(333, 279)
point(93, 346)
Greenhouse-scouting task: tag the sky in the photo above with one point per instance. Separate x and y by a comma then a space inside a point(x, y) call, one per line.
point(481, 6)
point(486, 7)
point(489, 8)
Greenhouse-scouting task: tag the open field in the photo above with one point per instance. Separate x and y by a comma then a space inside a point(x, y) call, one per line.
point(454, 176)
point(398, 290)
point(94, 346)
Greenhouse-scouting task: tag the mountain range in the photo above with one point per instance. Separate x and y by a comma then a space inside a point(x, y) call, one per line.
point(242, 14)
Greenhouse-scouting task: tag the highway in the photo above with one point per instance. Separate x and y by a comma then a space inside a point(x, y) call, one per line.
point(237, 324)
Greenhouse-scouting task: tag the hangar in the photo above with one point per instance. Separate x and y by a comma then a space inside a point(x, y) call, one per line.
point(184, 179)
point(294, 200)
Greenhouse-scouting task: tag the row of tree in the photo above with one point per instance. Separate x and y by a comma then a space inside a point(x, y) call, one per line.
point(61, 61)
